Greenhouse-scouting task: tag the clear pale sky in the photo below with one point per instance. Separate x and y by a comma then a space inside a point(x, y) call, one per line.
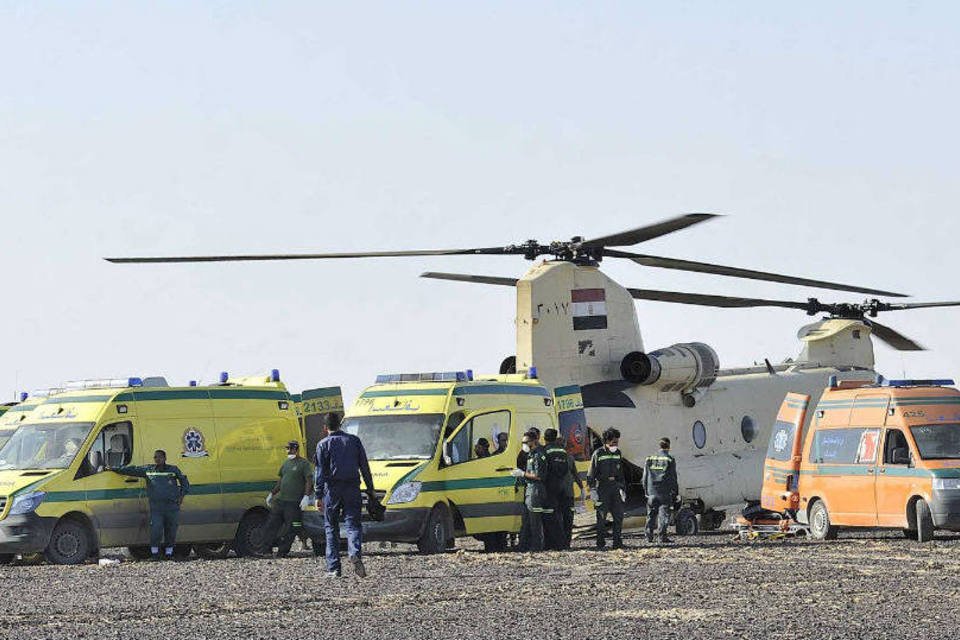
point(828, 134)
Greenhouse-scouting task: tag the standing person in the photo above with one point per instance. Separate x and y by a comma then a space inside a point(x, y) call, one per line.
point(608, 486)
point(523, 541)
point(166, 486)
point(287, 501)
point(660, 483)
point(341, 461)
point(535, 495)
point(562, 472)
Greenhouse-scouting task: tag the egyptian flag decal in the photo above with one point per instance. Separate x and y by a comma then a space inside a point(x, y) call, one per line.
point(589, 309)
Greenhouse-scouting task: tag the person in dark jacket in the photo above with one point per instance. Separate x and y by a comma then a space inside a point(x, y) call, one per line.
point(661, 486)
point(166, 487)
point(608, 485)
point(563, 474)
point(341, 461)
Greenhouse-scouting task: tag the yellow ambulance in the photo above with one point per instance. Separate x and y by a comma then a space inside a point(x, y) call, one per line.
point(420, 432)
point(58, 495)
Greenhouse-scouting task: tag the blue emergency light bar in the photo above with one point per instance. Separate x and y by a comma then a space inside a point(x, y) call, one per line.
point(23, 396)
point(431, 376)
point(937, 382)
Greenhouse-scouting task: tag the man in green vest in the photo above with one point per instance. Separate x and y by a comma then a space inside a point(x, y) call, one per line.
point(561, 478)
point(166, 486)
point(661, 486)
point(287, 499)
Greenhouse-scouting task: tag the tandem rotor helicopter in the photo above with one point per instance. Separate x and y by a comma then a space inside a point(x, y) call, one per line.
point(578, 326)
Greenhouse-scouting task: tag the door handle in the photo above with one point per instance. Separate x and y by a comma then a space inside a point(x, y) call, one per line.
point(869, 469)
point(504, 469)
point(132, 480)
point(881, 470)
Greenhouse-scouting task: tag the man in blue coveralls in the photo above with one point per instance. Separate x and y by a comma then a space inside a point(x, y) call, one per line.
point(341, 460)
point(166, 486)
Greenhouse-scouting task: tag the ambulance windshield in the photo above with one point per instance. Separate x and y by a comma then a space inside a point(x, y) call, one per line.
point(5, 435)
point(44, 446)
point(397, 437)
point(938, 441)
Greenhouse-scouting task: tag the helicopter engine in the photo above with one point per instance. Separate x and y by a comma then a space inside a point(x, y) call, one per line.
point(681, 367)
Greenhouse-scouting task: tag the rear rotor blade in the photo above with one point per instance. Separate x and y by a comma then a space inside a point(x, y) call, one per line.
point(706, 300)
point(465, 277)
point(648, 232)
point(318, 256)
point(736, 272)
point(894, 338)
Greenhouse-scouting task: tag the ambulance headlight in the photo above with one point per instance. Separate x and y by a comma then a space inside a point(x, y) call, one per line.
point(26, 503)
point(406, 492)
point(946, 484)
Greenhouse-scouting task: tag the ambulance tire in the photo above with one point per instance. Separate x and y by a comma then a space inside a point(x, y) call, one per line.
point(924, 522)
point(437, 532)
point(249, 543)
point(686, 523)
point(213, 550)
point(139, 552)
point(6, 558)
point(820, 527)
point(70, 543)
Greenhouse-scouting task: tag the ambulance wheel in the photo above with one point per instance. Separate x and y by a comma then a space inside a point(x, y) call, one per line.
point(924, 522)
point(820, 527)
point(249, 541)
point(139, 553)
point(686, 524)
point(213, 550)
point(910, 534)
point(70, 543)
point(437, 533)
point(6, 558)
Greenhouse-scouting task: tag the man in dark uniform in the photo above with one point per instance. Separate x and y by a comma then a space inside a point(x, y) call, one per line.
point(536, 498)
point(523, 540)
point(166, 486)
point(563, 474)
point(609, 487)
point(341, 460)
point(287, 502)
point(660, 484)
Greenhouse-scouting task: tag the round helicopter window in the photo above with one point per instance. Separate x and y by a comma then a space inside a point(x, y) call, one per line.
point(699, 434)
point(748, 429)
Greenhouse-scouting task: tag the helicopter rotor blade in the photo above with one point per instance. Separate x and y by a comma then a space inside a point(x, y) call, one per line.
point(466, 277)
point(736, 272)
point(706, 300)
point(648, 232)
point(919, 305)
point(894, 338)
point(317, 256)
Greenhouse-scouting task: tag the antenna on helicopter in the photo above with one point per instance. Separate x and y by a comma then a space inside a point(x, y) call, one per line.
point(576, 250)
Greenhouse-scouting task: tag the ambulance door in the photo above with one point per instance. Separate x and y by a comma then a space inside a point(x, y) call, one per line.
point(117, 503)
point(316, 405)
point(781, 469)
point(894, 479)
point(185, 430)
point(481, 489)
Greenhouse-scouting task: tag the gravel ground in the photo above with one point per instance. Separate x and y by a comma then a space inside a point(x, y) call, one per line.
point(874, 585)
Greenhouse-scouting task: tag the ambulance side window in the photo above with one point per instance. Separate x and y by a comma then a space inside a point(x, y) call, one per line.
point(459, 447)
point(895, 448)
point(489, 426)
point(112, 449)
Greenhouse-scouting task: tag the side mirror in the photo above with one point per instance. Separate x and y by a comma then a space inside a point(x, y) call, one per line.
point(95, 458)
point(901, 455)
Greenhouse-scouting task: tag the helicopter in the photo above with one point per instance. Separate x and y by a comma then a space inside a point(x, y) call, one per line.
point(575, 325)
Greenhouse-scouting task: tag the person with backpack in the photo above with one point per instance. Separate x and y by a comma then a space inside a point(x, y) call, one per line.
point(561, 475)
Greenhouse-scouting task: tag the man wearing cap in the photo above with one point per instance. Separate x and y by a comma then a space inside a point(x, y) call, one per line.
point(341, 460)
point(661, 486)
point(287, 499)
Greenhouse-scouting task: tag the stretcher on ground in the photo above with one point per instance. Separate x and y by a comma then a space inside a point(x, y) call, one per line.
point(768, 526)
